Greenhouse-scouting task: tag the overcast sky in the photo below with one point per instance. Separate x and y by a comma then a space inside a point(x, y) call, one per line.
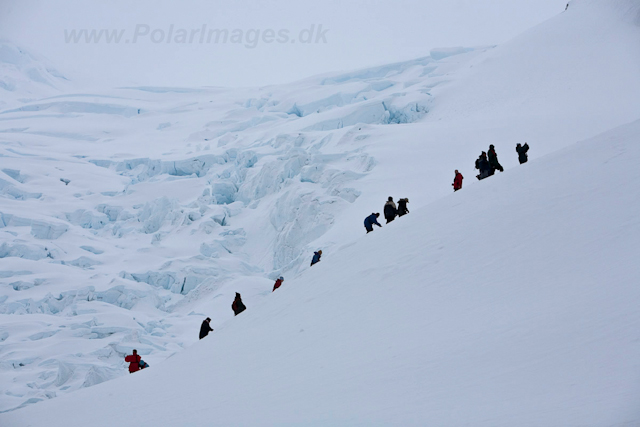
point(163, 42)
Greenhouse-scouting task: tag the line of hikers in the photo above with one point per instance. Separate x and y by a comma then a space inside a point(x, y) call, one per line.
point(390, 213)
point(135, 361)
point(238, 306)
point(487, 164)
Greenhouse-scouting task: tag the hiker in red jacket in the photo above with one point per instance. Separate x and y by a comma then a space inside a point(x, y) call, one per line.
point(134, 360)
point(457, 181)
point(278, 283)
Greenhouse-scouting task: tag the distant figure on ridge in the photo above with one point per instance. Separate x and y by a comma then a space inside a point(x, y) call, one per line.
point(370, 220)
point(522, 152)
point(205, 328)
point(238, 306)
point(493, 161)
point(482, 164)
point(390, 210)
point(457, 181)
point(278, 283)
point(134, 361)
point(402, 207)
point(316, 257)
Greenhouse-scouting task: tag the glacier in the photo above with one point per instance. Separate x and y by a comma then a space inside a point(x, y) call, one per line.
point(128, 215)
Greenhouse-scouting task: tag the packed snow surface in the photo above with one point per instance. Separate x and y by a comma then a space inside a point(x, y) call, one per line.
point(513, 302)
point(128, 217)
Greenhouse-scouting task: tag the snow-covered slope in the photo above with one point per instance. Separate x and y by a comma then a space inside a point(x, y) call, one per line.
point(24, 77)
point(129, 216)
point(573, 75)
point(513, 302)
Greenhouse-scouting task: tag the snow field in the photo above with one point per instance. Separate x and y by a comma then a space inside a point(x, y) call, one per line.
point(135, 223)
point(505, 313)
point(127, 217)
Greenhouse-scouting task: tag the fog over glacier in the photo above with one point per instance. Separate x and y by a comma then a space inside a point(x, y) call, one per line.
point(353, 35)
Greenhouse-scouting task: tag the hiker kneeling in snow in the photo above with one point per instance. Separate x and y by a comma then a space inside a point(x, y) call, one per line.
point(135, 362)
point(370, 220)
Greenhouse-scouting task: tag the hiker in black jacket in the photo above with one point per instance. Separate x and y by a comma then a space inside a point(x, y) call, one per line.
point(482, 164)
point(238, 306)
point(205, 328)
point(390, 210)
point(316, 257)
point(522, 152)
point(402, 207)
point(493, 161)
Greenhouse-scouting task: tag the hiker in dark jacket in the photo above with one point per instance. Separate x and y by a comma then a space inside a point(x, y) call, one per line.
point(522, 152)
point(482, 164)
point(316, 257)
point(370, 220)
point(237, 306)
point(134, 360)
point(278, 283)
point(493, 160)
point(205, 328)
point(457, 181)
point(390, 210)
point(402, 207)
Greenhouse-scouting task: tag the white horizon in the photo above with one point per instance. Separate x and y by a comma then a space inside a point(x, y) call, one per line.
point(356, 37)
